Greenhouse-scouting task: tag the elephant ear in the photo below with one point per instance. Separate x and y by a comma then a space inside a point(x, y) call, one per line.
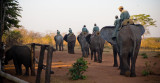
point(78, 38)
point(65, 37)
point(106, 33)
point(88, 38)
point(141, 28)
point(55, 38)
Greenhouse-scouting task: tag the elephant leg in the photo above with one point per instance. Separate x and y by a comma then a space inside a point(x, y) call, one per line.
point(72, 47)
point(16, 67)
point(120, 59)
point(128, 59)
point(83, 53)
point(87, 52)
point(69, 48)
point(95, 58)
point(115, 56)
point(56, 46)
point(27, 71)
point(60, 47)
point(91, 54)
point(20, 69)
point(133, 61)
point(126, 69)
point(99, 57)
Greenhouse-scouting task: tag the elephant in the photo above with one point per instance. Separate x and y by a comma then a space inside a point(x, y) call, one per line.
point(106, 33)
point(128, 43)
point(129, 46)
point(96, 43)
point(70, 39)
point(59, 42)
point(84, 44)
point(20, 55)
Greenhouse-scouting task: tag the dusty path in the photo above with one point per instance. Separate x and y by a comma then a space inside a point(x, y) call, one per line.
point(97, 72)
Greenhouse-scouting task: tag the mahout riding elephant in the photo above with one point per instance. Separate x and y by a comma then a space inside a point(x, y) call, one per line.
point(59, 42)
point(128, 44)
point(20, 55)
point(70, 39)
point(106, 33)
point(84, 44)
point(96, 43)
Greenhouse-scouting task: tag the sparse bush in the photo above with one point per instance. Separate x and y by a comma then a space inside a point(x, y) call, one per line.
point(78, 69)
point(144, 55)
point(158, 55)
point(12, 38)
point(145, 73)
point(148, 68)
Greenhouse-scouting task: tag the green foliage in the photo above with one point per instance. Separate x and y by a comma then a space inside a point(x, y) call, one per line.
point(11, 12)
point(148, 68)
point(78, 69)
point(145, 73)
point(144, 55)
point(144, 20)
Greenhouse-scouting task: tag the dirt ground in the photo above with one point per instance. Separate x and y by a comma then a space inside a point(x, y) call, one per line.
point(97, 72)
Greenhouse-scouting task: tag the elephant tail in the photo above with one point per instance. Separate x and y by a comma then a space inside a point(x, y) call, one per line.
point(134, 47)
point(134, 43)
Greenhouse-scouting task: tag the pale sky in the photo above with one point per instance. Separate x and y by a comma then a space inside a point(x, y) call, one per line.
point(50, 15)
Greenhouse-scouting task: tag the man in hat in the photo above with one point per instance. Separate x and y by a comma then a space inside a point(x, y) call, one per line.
point(84, 29)
point(58, 32)
point(124, 14)
point(70, 30)
point(95, 28)
point(117, 25)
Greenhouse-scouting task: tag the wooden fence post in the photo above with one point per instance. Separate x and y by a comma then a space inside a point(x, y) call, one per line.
point(33, 59)
point(49, 64)
point(40, 64)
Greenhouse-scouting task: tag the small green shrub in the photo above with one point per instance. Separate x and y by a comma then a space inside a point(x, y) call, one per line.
point(78, 69)
point(148, 68)
point(144, 55)
point(145, 73)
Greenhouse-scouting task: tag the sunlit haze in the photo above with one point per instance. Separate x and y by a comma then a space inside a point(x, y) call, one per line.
point(47, 16)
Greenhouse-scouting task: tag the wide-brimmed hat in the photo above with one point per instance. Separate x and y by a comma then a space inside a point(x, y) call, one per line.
point(120, 7)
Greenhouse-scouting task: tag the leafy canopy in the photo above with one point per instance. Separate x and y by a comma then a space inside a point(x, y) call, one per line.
point(144, 20)
point(12, 12)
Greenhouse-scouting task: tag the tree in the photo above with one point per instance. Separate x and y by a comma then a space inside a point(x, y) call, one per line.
point(9, 13)
point(13, 37)
point(144, 20)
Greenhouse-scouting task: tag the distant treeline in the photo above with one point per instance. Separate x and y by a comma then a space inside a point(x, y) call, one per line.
point(22, 36)
point(151, 43)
